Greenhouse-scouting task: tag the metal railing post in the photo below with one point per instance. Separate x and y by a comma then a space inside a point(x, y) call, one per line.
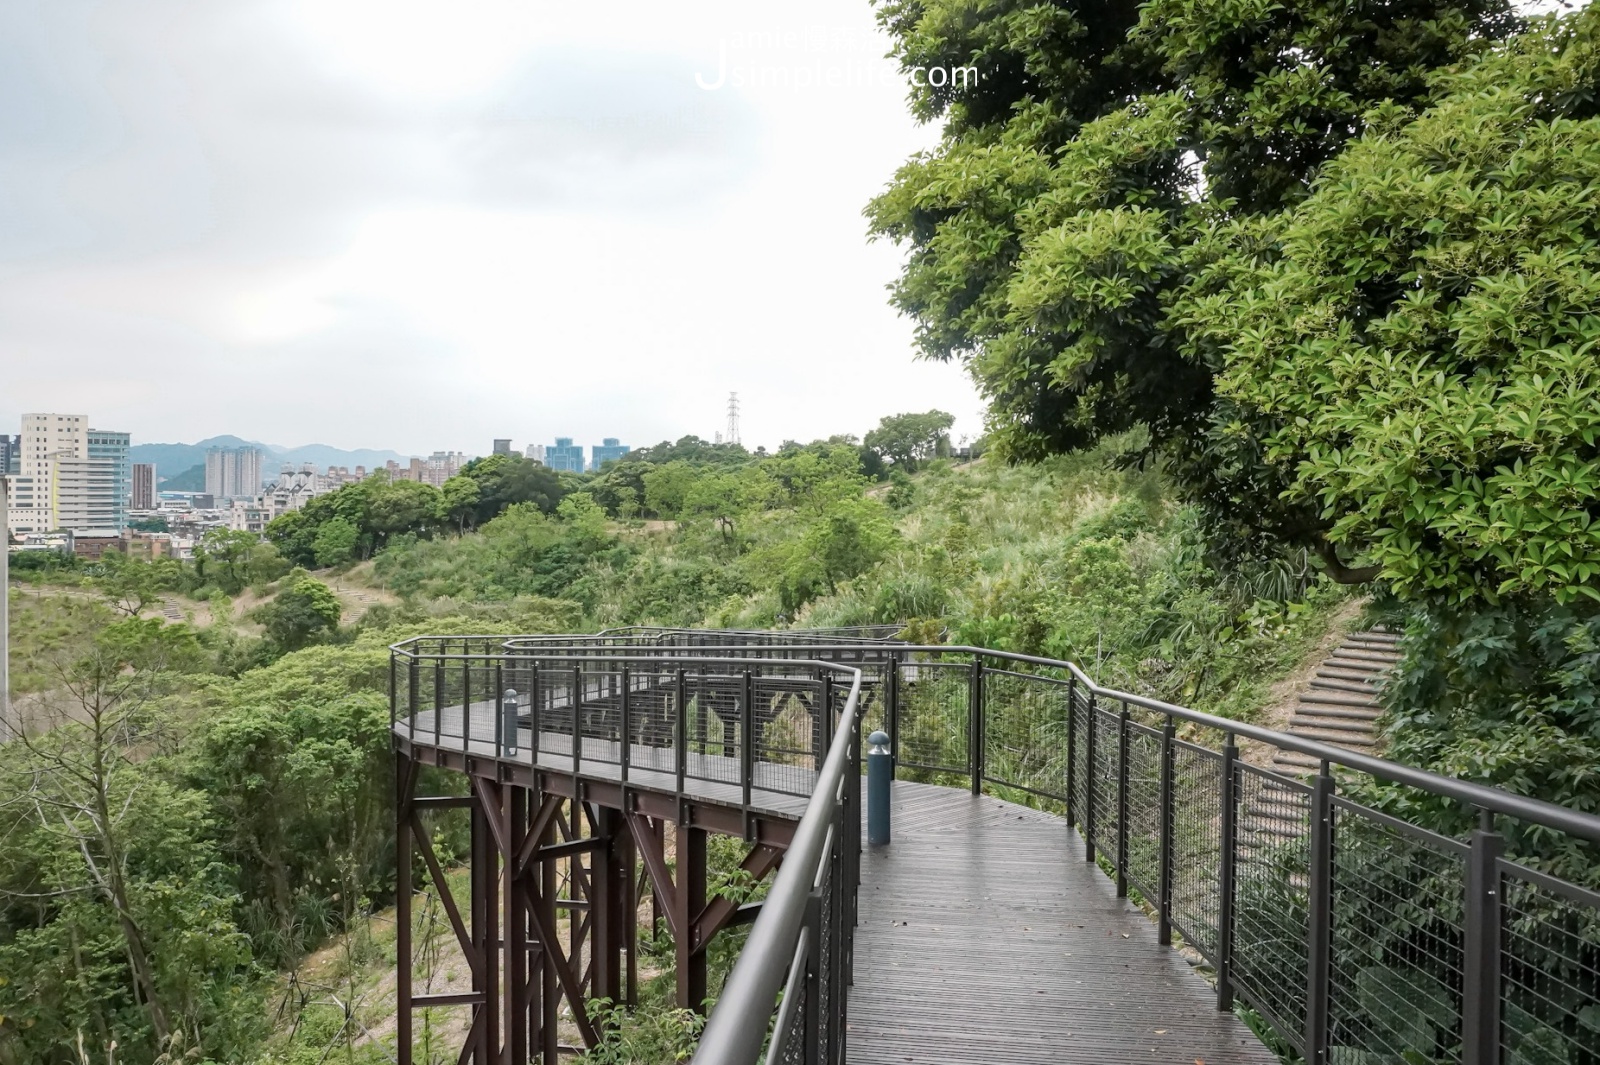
point(626, 752)
point(815, 1022)
point(1072, 747)
point(1480, 992)
point(466, 703)
point(1164, 876)
point(891, 715)
point(577, 719)
point(747, 739)
point(438, 702)
point(1091, 719)
point(414, 690)
point(975, 736)
point(1319, 923)
point(1122, 802)
point(534, 715)
point(1227, 872)
point(499, 712)
point(682, 729)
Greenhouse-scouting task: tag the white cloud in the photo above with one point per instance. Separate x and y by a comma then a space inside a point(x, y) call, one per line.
point(425, 224)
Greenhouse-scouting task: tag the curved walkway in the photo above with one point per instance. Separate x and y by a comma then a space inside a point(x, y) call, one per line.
point(985, 937)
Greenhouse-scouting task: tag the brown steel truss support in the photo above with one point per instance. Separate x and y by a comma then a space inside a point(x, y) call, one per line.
point(691, 919)
point(549, 921)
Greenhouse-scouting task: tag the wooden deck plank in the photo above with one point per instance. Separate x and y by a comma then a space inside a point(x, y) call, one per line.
point(986, 939)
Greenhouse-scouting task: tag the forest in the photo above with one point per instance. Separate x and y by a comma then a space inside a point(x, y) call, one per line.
point(1266, 355)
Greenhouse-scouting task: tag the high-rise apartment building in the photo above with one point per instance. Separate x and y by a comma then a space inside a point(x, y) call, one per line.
point(565, 455)
point(536, 453)
point(144, 496)
point(606, 451)
point(502, 446)
point(10, 452)
point(233, 472)
point(70, 476)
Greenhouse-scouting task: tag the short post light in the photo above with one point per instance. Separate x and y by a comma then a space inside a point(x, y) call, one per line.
point(508, 708)
point(880, 774)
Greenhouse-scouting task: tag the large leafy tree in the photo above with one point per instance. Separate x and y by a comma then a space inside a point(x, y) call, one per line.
point(1417, 348)
point(906, 439)
point(1068, 207)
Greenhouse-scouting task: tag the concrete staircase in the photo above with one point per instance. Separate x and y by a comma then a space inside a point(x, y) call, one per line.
point(1341, 705)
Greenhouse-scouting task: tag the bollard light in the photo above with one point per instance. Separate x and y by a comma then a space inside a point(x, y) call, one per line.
point(508, 708)
point(880, 775)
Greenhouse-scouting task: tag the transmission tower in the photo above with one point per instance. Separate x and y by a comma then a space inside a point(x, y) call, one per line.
point(732, 436)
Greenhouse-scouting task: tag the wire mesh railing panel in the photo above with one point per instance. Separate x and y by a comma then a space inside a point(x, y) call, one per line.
point(1550, 970)
point(935, 721)
point(653, 721)
point(1144, 810)
point(1078, 751)
point(1398, 917)
point(1104, 742)
point(1196, 846)
point(784, 725)
point(712, 736)
point(1025, 732)
point(600, 715)
point(1271, 912)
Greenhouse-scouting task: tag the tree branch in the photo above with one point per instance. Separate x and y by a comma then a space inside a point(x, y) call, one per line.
point(1341, 573)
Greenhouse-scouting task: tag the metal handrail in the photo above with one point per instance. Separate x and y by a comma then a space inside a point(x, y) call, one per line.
point(1535, 811)
point(738, 1026)
point(743, 1018)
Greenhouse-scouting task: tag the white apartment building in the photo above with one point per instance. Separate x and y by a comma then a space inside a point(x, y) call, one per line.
point(292, 490)
point(69, 477)
point(233, 472)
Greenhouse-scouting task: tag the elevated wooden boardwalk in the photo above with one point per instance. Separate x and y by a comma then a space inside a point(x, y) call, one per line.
point(986, 939)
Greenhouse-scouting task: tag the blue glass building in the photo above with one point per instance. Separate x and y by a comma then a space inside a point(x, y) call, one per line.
point(565, 455)
point(605, 451)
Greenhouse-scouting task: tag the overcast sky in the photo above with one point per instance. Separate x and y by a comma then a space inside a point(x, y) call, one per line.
point(422, 225)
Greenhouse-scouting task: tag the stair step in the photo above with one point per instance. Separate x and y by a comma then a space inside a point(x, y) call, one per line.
point(1330, 684)
point(1383, 635)
point(1299, 724)
point(1337, 739)
point(1338, 698)
point(1377, 658)
point(1339, 712)
point(1349, 673)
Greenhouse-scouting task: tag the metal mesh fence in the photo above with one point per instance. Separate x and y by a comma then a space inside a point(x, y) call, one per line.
point(1025, 732)
point(1196, 845)
point(1103, 744)
point(1271, 889)
point(1399, 913)
point(935, 722)
point(1144, 810)
point(1550, 970)
point(1395, 970)
point(1078, 753)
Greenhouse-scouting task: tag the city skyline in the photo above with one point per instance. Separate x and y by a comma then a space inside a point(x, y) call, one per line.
point(484, 214)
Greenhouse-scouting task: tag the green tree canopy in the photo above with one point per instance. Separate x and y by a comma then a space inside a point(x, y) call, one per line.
point(1065, 211)
point(907, 439)
point(1419, 345)
point(300, 614)
point(507, 479)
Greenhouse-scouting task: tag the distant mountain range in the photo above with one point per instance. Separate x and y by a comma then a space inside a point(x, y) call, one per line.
point(174, 459)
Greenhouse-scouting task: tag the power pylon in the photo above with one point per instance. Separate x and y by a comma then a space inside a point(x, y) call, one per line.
point(732, 436)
